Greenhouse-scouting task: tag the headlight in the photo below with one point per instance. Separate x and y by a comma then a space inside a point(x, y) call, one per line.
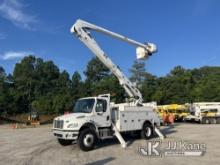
point(72, 125)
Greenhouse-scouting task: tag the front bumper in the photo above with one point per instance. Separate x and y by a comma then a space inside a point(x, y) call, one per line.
point(66, 134)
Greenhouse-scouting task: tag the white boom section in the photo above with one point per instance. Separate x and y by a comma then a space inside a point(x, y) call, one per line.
point(81, 29)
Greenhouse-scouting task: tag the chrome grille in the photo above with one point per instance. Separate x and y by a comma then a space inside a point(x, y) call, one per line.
point(58, 124)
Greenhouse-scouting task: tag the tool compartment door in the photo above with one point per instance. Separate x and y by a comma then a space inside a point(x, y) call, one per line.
point(131, 120)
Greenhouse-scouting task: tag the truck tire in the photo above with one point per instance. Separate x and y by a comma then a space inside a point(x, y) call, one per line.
point(147, 131)
point(64, 142)
point(213, 121)
point(205, 121)
point(87, 139)
point(218, 120)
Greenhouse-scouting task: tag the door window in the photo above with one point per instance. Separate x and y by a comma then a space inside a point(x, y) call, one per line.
point(101, 105)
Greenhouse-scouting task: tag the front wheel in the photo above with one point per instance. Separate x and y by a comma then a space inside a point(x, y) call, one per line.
point(65, 142)
point(147, 131)
point(87, 139)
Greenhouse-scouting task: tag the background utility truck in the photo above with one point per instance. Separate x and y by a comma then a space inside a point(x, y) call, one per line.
point(204, 112)
point(179, 111)
point(96, 118)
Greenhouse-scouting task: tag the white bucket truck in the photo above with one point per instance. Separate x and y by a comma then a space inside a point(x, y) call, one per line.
point(204, 112)
point(95, 118)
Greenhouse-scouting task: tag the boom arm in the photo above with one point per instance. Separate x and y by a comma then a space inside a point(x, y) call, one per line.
point(81, 29)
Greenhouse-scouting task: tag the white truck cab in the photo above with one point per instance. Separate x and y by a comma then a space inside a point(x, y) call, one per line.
point(93, 110)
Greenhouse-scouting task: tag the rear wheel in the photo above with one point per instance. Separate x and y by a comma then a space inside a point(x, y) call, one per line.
point(147, 131)
point(213, 121)
point(218, 120)
point(64, 142)
point(205, 121)
point(87, 139)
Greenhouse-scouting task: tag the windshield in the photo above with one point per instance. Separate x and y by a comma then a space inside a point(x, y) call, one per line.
point(84, 106)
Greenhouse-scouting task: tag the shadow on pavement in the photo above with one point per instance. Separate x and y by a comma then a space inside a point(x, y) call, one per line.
point(168, 130)
point(102, 161)
point(114, 141)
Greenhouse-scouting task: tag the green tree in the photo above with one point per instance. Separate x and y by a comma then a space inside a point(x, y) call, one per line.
point(138, 73)
point(95, 71)
point(148, 87)
point(78, 87)
point(76, 79)
point(175, 87)
point(206, 84)
point(7, 105)
point(40, 84)
point(146, 82)
point(100, 81)
point(110, 84)
point(2, 73)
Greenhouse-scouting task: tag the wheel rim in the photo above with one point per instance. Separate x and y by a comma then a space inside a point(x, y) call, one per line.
point(88, 140)
point(148, 132)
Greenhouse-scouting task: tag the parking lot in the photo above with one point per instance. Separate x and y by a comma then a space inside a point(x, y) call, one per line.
point(39, 146)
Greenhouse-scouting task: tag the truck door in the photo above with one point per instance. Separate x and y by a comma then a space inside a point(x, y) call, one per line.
point(102, 117)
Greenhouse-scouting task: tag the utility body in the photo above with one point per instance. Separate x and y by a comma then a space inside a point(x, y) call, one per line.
point(96, 118)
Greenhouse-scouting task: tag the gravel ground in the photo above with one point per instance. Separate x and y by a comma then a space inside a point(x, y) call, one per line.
point(38, 146)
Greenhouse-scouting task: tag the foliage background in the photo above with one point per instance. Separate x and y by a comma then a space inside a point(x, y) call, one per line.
point(40, 85)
